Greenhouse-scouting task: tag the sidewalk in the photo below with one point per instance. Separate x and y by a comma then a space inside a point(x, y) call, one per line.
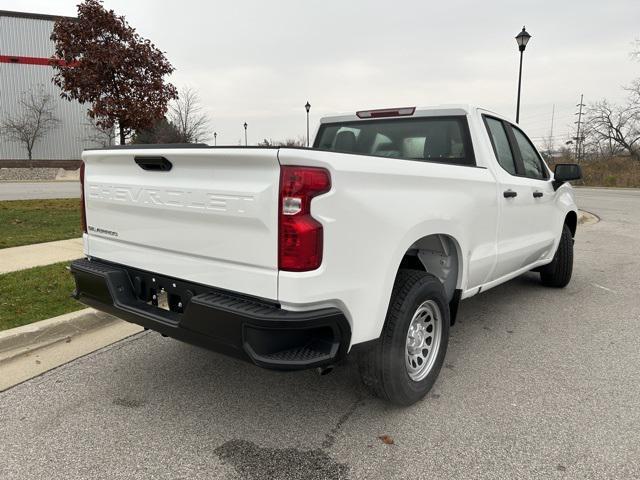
point(27, 256)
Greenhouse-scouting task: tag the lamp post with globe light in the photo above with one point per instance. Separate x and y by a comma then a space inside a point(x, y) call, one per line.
point(307, 107)
point(522, 38)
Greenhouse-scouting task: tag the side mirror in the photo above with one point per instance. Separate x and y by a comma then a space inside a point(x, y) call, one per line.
point(565, 172)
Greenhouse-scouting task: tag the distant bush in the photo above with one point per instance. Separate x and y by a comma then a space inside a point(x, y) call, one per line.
point(607, 172)
point(163, 131)
point(289, 142)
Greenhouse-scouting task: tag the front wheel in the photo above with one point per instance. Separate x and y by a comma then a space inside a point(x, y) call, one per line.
point(558, 273)
point(406, 360)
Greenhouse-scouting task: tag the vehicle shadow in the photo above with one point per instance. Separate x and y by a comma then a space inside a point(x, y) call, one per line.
point(176, 375)
point(246, 413)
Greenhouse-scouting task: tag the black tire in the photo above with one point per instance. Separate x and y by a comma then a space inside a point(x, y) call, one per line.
point(558, 273)
point(383, 368)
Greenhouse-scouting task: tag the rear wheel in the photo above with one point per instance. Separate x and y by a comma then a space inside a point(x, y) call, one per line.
point(406, 361)
point(558, 273)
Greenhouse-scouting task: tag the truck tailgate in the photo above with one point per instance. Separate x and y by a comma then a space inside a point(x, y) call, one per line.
point(210, 218)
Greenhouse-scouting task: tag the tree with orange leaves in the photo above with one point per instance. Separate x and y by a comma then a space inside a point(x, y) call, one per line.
point(102, 61)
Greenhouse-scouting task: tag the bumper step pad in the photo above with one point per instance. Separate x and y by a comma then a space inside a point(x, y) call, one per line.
point(306, 353)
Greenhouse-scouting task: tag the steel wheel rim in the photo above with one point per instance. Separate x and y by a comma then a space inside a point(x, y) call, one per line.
point(423, 340)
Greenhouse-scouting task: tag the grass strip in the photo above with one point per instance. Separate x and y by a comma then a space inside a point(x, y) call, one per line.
point(24, 222)
point(38, 293)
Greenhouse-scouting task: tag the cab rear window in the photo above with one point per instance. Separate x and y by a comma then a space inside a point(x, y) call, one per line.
point(431, 139)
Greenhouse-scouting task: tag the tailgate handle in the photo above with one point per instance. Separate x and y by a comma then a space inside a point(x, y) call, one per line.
point(157, 164)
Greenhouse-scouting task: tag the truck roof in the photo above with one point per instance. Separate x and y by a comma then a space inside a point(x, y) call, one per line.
point(427, 111)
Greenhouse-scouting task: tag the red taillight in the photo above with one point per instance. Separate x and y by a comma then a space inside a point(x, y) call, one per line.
point(83, 212)
point(300, 235)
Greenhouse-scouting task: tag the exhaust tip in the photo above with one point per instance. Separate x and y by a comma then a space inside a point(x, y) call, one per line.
point(324, 370)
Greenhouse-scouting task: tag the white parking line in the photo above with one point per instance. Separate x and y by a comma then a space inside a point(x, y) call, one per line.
point(603, 288)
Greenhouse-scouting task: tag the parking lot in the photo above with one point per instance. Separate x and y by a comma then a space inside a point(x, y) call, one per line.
point(537, 383)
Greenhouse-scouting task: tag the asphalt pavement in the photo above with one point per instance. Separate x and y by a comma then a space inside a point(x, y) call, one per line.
point(39, 190)
point(537, 383)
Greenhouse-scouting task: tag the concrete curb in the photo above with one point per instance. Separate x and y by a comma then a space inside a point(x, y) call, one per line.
point(587, 218)
point(28, 338)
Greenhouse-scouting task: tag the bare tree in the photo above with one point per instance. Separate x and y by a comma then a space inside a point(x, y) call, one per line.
point(598, 146)
point(548, 144)
point(635, 52)
point(34, 121)
point(611, 129)
point(98, 134)
point(188, 115)
point(634, 91)
point(616, 127)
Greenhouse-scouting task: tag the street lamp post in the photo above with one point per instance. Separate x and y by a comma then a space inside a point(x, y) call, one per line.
point(215, 139)
point(245, 134)
point(307, 107)
point(522, 38)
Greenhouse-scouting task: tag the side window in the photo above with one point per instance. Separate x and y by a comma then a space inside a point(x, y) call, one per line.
point(501, 145)
point(532, 162)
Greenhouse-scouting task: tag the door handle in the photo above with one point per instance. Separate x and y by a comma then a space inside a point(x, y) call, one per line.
point(537, 194)
point(510, 194)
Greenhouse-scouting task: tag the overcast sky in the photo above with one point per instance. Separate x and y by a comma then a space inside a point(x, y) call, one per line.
point(259, 61)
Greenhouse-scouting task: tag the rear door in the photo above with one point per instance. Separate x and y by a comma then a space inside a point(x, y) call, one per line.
point(523, 232)
point(207, 215)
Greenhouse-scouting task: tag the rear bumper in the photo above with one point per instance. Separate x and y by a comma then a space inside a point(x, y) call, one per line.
point(226, 322)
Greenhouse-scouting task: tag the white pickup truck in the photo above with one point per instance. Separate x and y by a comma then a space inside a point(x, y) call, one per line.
point(361, 246)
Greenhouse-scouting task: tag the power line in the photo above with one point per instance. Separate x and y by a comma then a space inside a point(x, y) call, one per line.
point(543, 125)
point(542, 137)
point(563, 110)
point(546, 118)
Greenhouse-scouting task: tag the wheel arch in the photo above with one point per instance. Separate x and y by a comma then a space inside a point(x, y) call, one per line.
point(404, 257)
point(571, 220)
point(439, 254)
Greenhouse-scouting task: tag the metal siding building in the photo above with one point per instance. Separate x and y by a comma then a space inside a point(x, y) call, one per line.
point(24, 41)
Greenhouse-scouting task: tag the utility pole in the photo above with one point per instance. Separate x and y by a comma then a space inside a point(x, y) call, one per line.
point(307, 107)
point(578, 139)
point(553, 114)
